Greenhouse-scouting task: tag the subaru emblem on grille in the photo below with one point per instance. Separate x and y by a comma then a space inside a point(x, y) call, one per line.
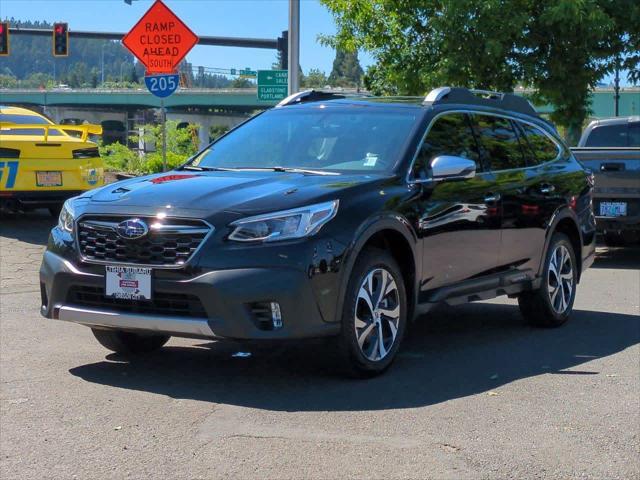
point(132, 229)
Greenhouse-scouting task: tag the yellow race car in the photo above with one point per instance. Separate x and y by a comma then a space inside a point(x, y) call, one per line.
point(43, 164)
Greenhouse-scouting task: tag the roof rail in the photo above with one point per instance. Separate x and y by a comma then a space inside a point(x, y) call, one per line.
point(316, 96)
point(485, 98)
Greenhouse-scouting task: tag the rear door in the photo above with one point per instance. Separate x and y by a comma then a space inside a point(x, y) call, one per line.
point(522, 191)
point(458, 220)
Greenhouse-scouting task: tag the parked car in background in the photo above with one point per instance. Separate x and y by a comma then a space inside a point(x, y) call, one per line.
point(42, 164)
point(331, 216)
point(611, 149)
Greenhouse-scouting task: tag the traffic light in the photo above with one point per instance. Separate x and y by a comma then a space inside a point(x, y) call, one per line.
point(4, 39)
point(60, 40)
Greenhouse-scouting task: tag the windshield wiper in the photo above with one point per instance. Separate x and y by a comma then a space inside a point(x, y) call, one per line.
point(285, 169)
point(206, 169)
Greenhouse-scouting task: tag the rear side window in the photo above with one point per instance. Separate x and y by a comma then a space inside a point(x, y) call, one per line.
point(498, 141)
point(543, 149)
point(608, 136)
point(450, 135)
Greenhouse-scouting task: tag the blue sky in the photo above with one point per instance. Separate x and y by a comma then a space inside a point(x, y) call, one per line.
point(241, 18)
point(233, 18)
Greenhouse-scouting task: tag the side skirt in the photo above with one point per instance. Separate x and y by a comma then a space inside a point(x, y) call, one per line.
point(508, 283)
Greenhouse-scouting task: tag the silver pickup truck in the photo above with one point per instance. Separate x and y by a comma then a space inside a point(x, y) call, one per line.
point(611, 149)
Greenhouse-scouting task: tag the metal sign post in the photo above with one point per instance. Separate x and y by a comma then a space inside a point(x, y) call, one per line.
point(294, 46)
point(163, 118)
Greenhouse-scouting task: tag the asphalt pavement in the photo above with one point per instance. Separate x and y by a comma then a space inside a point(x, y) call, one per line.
point(475, 393)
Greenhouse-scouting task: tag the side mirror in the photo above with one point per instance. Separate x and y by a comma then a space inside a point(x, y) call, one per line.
point(447, 167)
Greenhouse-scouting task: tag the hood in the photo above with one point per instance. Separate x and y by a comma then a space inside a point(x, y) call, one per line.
point(246, 192)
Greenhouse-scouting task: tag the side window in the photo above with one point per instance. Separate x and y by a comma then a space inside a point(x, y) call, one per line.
point(450, 135)
point(543, 148)
point(498, 141)
point(634, 134)
point(608, 136)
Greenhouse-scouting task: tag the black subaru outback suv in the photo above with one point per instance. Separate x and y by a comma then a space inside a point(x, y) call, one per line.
point(331, 216)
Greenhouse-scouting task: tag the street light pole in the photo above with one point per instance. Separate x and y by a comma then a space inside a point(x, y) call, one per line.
point(294, 46)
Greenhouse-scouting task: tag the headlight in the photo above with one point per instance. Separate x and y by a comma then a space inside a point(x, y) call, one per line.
point(67, 215)
point(285, 225)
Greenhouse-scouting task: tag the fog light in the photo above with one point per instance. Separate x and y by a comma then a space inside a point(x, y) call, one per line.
point(276, 316)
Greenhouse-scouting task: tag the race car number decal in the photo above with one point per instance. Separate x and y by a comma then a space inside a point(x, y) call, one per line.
point(8, 170)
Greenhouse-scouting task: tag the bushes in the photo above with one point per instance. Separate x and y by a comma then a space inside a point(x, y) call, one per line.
point(182, 143)
point(119, 158)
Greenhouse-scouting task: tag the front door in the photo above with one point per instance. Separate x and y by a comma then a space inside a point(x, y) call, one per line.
point(458, 220)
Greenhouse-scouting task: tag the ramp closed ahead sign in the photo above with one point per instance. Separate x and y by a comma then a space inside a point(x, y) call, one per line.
point(160, 40)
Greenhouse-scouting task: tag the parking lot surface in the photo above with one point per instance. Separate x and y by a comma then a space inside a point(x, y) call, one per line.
point(475, 393)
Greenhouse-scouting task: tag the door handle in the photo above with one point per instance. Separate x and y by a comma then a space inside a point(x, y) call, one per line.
point(547, 188)
point(492, 198)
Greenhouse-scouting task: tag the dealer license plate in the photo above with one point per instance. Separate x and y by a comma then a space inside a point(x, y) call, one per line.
point(613, 209)
point(49, 179)
point(128, 283)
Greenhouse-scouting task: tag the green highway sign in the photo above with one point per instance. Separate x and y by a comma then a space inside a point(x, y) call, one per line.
point(270, 94)
point(247, 72)
point(272, 85)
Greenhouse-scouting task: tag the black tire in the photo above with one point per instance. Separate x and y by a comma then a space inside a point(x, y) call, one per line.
point(123, 342)
point(614, 240)
point(351, 357)
point(540, 307)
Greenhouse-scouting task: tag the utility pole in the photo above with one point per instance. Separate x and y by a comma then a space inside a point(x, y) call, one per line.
point(294, 46)
point(616, 89)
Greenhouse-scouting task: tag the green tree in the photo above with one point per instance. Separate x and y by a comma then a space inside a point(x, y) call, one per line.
point(346, 71)
point(314, 79)
point(561, 48)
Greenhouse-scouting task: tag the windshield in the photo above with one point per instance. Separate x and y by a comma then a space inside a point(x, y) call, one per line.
point(333, 138)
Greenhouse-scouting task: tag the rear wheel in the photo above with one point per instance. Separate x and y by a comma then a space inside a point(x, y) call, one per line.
point(120, 341)
point(552, 303)
point(374, 315)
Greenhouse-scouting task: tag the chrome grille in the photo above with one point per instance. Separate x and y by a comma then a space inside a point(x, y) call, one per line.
point(171, 242)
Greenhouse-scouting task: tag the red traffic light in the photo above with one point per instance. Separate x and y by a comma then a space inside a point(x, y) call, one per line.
point(4, 39)
point(60, 40)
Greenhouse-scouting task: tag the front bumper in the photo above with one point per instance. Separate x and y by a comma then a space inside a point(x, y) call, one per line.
point(227, 298)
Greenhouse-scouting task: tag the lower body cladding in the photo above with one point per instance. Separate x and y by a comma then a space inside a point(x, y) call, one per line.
point(241, 304)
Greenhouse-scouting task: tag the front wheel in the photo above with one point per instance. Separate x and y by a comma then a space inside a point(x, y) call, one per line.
point(123, 342)
point(374, 315)
point(552, 303)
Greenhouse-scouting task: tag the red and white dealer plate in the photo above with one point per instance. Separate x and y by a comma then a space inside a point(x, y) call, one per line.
point(128, 283)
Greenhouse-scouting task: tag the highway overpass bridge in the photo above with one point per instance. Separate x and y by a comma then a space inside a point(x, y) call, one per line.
point(206, 107)
point(122, 111)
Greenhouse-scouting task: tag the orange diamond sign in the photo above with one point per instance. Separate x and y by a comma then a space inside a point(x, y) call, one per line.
point(160, 40)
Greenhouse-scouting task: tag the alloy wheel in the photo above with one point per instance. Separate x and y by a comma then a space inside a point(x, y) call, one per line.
point(377, 314)
point(560, 279)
